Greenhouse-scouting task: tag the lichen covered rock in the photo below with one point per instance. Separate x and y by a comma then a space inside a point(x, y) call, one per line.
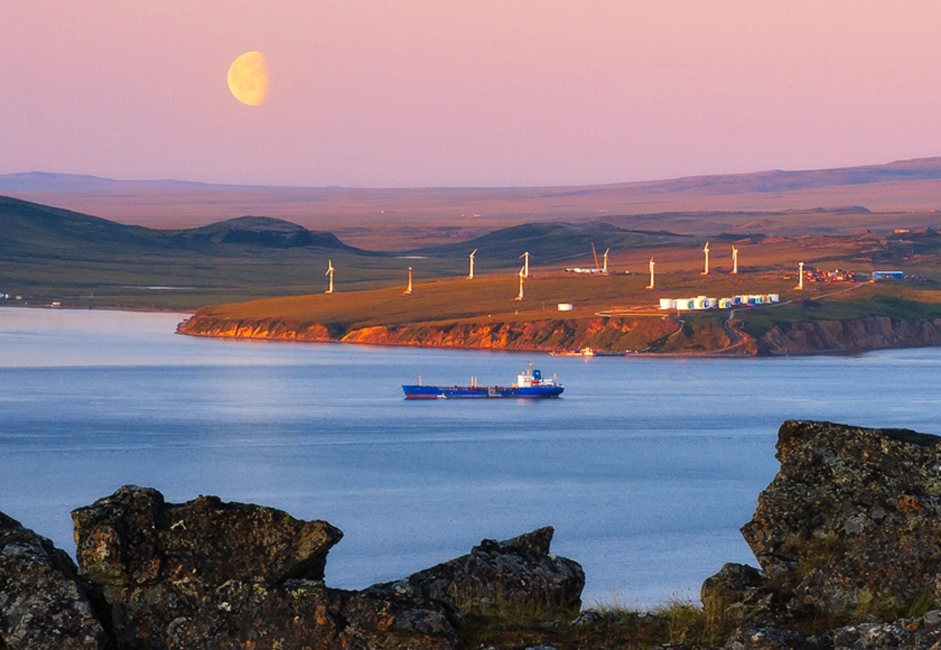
point(518, 573)
point(851, 525)
point(43, 603)
point(207, 574)
point(133, 537)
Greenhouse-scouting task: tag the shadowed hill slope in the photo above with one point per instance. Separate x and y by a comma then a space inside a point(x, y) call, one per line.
point(557, 241)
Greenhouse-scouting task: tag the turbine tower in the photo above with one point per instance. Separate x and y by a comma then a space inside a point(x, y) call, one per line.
point(800, 281)
point(652, 264)
point(605, 259)
point(470, 276)
point(734, 261)
point(329, 274)
point(408, 290)
point(705, 251)
point(525, 258)
point(522, 275)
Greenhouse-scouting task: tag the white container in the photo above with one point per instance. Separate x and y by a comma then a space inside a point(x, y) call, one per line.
point(773, 297)
point(699, 302)
point(566, 306)
point(667, 303)
point(712, 303)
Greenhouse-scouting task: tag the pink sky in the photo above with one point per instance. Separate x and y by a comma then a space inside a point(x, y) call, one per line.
point(476, 92)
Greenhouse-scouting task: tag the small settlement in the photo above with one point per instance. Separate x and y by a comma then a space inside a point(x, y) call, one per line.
point(705, 302)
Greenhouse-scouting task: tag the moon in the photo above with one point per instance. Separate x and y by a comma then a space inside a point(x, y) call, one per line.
point(248, 78)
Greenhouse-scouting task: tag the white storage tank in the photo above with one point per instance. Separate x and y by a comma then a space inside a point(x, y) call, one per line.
point(773, 297)
point(725, 303)
point(712, 303)
point(699, 302)
point(566, 306)
point(667, 303)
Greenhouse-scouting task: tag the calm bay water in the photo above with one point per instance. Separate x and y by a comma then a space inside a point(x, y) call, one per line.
point(646, 467)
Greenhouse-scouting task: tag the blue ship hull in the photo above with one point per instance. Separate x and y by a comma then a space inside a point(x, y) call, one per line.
point(451, 392)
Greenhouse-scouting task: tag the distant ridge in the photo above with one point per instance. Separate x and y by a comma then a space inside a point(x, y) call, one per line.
point(775, 180)
point(53, 182)
point(905, 193)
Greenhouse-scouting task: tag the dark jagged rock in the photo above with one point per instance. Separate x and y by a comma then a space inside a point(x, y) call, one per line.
point(753, 637)
point(43, 604)
point(519, 573)
point(851, 525)
point(214, 575)
point(734, 583)
point(133, 538)
point(923, 633)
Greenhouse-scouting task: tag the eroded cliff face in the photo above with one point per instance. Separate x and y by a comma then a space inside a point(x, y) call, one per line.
point(870, 333)
point(640, 334)
point(615, 333)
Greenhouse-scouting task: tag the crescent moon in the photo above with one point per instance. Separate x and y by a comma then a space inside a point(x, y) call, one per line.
point(248, 78)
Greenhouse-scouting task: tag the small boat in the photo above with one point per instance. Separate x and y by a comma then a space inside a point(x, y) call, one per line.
point(587, 352)
point(584, 352)
point(529, 384)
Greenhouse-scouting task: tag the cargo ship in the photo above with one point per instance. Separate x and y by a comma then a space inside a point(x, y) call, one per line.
point(529, 384)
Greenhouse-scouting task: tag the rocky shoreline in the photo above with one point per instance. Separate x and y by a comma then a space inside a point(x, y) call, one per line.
point(637, 335)
point(847, 537)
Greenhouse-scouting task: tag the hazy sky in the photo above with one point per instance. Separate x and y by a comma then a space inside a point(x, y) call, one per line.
point(475, 92)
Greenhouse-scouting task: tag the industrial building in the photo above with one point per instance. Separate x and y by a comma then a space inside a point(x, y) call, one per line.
point(705, 302)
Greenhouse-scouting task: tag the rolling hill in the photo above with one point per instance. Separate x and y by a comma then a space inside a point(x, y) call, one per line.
point(780, 202)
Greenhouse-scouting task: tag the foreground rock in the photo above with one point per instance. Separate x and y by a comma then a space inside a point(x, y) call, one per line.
point(852, 522)
point(135, 538)
point(849, 531)
point(43, 603)
point(518, 574)
point(208, 574)
point(213, 575)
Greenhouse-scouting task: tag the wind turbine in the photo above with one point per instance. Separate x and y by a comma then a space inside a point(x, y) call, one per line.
point(525, 258)
point(470, 276)
point(522, 275)
point(605, 259)
point(734, 261)
point(329, 274)
point(705, 250)
point(800, 282)
point(408, 290)
point(652, 264)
